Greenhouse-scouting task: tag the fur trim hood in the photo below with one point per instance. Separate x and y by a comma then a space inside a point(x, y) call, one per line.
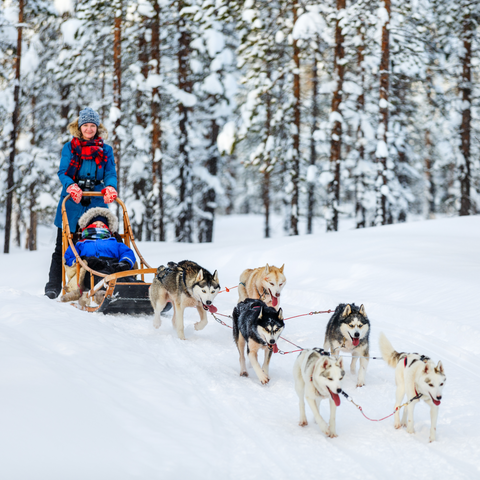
point(74, 130)
point(86, 218)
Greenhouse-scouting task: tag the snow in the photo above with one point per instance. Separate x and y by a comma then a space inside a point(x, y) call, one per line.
point(93, 396)
point(69, 29)
point(226, 138)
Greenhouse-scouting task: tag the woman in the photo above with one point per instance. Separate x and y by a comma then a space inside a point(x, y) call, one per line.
point(87, 164)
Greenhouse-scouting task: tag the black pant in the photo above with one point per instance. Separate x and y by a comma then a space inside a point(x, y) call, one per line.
point(55, 275)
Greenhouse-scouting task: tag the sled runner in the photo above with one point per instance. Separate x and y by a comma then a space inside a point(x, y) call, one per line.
point(121, 296)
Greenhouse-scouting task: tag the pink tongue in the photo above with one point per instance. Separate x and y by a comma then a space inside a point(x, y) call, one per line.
point(212, 309)
point(335, 397)
point(355, 341)
point(274, 301)
point(275, 348)
point(436, 402)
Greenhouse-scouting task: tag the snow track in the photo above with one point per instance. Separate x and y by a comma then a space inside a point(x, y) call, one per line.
point(100, 397)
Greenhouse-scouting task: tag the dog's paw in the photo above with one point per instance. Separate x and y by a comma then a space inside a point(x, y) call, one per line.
point(244, 374)
point(303, 422)
point(264, 379)
point(397, 425)
point(360, 384)
point(410, 430)
point(200, 325)
point(332, 434)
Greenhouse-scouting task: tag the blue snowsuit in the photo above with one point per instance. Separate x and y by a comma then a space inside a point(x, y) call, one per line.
point(108, 247)
point(105, 177)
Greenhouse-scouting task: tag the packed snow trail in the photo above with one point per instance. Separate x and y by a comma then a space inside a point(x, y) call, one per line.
point(99, 397)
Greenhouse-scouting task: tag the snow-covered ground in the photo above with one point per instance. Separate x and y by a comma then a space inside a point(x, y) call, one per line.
point(87, 396)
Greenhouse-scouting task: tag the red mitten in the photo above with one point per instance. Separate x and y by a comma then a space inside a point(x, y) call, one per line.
point(75, 192)
point(109, 194)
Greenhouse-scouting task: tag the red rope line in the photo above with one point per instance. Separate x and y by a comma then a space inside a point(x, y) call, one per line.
point(228, 289)
point(310, 313)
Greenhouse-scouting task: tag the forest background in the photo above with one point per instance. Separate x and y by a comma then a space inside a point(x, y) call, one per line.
point(362, 110)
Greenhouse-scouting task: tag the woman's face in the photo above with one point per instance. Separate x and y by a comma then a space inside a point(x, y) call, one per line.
point(88, 130)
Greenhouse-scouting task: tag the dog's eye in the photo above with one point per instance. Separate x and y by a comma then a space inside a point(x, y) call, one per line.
point(204, 291)
point(272, 283)
point(441, 384)
point(331, 379)
point(430, 384)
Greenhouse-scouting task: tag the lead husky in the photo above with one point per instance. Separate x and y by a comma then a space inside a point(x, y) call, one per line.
point(348, 330)
point(184, 284)
point(265, 283)
point(415, 375)
point(258, 326)
point(318, 376)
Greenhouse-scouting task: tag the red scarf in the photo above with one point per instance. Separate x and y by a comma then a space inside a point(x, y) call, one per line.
point(85, 150)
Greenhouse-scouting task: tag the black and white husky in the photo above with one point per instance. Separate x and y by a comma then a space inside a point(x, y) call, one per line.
point(416, 376)
point(257, 326)
point(348, 330)
point(318, 376)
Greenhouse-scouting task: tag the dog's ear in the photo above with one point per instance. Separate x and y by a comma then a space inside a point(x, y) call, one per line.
point(347, 311)
point(426, 369)
point(339, 362)
point(261, 313)
point(280, 314)
point(199, 276)
point(267, 269)
point(281, 268)
point(325, 363)
point(362, 310)
point(215, 276)
point(439, 368)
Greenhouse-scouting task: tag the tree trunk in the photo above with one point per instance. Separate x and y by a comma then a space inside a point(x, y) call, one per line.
point(313, 151)
point(183, 227)
point(336, 137)
point(360, 213)
point(157, 163)
point(382, 213)
point(13, 145)
point(429, 175)
point(295, 166)
point(465, 129)
point(117, 87)
point(205, 231)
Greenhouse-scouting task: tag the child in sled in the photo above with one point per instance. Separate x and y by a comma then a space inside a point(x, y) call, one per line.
point(100, 250)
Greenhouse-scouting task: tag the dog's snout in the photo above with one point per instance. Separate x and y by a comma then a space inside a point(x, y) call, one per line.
point(208, 302)
point(277, 294)
point(339, 390)
point(439, 397)
point(272, 341)
point(357, 334)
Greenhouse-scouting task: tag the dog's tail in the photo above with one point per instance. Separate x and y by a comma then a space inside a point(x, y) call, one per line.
point(388, 352)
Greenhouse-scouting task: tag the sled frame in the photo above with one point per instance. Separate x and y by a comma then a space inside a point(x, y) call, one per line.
point(109, 281)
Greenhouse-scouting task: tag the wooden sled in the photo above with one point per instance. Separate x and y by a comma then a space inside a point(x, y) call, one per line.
point(121, 296)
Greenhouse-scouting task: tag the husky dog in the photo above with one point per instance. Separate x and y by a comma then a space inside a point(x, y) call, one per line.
point(184, 284)
point(348, 330)
point(318, 376)
point(258, 326)
point(415, 375)
point(265, 283)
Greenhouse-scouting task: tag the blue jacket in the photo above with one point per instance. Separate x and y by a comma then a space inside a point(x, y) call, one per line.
point(107, 174)
point(108, 247)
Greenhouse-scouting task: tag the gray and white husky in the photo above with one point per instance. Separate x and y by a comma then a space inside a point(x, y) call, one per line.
point(318, 376)
point(184, 284)
point(257, 326)
point(415, 375)
point(348, 330)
